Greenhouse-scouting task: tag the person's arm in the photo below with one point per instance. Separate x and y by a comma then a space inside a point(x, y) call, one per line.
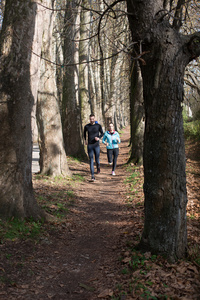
point(104, 138)
point(101, 131)
point(85, 130)
point(118, 138)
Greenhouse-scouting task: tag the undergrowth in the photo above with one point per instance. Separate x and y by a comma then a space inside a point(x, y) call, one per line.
point(191, 127)
point(55, 196)
point(14, 228)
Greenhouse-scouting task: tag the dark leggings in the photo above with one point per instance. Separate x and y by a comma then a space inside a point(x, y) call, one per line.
point(93, 149)
point(112, 156)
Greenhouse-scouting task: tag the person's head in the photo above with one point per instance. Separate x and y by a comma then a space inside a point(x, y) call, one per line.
point(111, 127)
point(92, 119)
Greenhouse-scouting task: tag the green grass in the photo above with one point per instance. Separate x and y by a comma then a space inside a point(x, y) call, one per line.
point(20, 229)
point(58, 209)
point(131, 178)
point(78, 178)
point(191, 127)
point(57, 202)
point(125, 271)
point(197, 260)
point(138, 285)
point(70, 194)
point(131, 182)
point(75, 159)
point(57, 194)
point(121, 131)
point(6, 280)
point(137, 260)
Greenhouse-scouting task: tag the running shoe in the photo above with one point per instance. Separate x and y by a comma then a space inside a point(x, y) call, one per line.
point(113, 173)
point(93, 178)
point(98, 170)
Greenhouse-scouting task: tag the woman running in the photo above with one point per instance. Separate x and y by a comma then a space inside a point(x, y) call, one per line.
point(111, 139)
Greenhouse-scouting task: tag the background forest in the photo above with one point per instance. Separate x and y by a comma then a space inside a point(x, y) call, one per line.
point(131, 62)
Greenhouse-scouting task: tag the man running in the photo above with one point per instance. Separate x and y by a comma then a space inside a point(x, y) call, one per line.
point(93, 129)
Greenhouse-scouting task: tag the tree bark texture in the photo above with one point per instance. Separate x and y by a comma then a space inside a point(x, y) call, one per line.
point(71, 111)
point(35, 67)
point(136, 115)
point(52, 153)
point(85, 103)
point(16, 102)
point(95, 91)
point(165, 55)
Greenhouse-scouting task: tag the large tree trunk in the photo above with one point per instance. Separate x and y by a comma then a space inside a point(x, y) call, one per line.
point(52, 154)
point(164, 156)
point(71, 115)
point(136, 115)
point(35, 67)
point(111, 74)
point(85, 103)
point(96, 93)
point(16, 191)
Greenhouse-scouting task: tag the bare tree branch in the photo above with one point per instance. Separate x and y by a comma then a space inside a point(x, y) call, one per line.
point(99, 26)
point(192, 85)
point(178, 14)
point(74, 64)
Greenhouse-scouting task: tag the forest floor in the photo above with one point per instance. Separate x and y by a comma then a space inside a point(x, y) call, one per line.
point(88, 251)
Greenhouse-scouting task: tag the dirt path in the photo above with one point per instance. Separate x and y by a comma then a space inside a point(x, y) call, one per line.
point(89, 253)
point(100, 216)
point(81, 261)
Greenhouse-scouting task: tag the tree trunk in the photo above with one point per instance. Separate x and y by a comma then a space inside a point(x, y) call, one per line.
point(102, 74)
point(95, 72)
point(113, 36)
point(35, 67)
point(162, 65)
point(85, 103)
point(52, 154)
point(164, 163)
point(136, 115)
point(72, 125)
point(111, 73)
point(16, 191)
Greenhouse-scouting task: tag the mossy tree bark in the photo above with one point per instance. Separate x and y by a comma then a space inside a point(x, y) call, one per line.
point(16, 101)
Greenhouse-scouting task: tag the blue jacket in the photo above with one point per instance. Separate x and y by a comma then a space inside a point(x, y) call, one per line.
point(111, 139)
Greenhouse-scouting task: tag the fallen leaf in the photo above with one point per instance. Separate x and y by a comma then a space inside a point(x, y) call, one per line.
point(24, 286)
point(105, 293)
point(126, 259)
point(86, 287)
point(194, 269)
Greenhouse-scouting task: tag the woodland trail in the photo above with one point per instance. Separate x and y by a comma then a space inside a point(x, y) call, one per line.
point(100, 217)
point(80, 260)
point(89, 253)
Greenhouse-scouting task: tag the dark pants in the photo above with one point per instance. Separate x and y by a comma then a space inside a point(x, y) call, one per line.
point(112, 156)
point(93, 149)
